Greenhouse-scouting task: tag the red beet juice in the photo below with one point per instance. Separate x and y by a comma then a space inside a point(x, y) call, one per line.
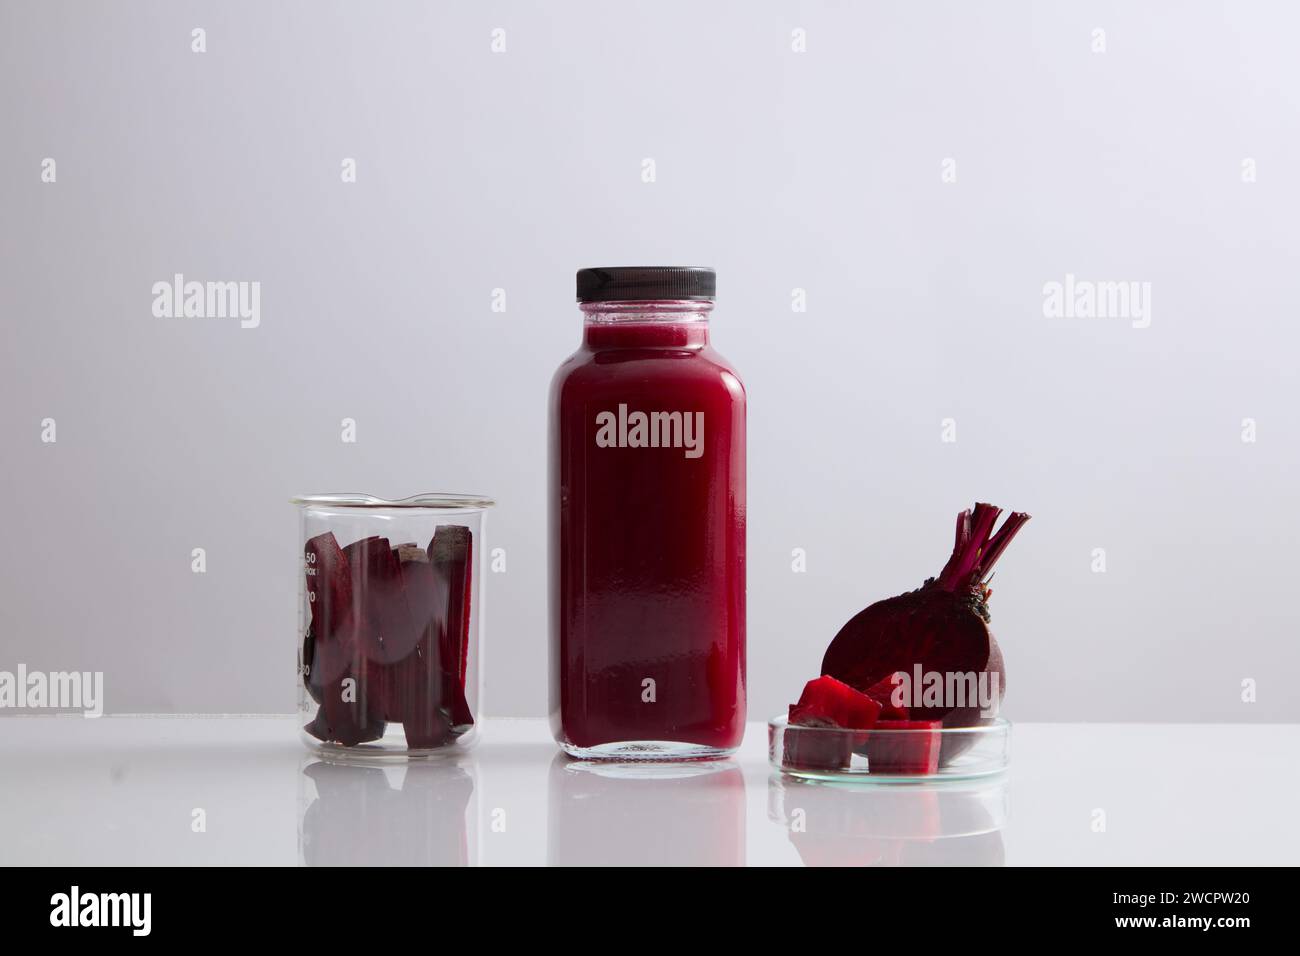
point(647, 443)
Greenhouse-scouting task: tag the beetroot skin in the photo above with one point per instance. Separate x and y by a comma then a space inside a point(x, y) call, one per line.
point(942, 626)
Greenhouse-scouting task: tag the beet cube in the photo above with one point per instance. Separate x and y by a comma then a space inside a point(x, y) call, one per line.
point(827, 703)
point(831, 701)
point(915, 752)
point(883, 693)
point(809, 747)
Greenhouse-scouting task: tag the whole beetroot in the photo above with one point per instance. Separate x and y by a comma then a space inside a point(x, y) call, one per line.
point(941, 627)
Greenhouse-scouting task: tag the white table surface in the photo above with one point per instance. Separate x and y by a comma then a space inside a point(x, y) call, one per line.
point(124, 790)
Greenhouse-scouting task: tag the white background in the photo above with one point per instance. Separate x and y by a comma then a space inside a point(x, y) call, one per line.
point(817, 170)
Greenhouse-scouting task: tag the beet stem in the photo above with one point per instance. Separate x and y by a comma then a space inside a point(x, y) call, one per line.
point(963, 532)
point(965, 557)
point(998, 543)
point(977, 548)
point(983, 518)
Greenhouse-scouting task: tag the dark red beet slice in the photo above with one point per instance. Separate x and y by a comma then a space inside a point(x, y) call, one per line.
point(333, 632)
point(913, 752)
point(346, 714)
point(410, 691)
point(345, 725)
point(388, 633)
point(399, 628)
point(430, 728)
point(451, 555)
point(330, 647)
point(334, 653)
point(329, 583)
point(426, 591)
point(942, 626)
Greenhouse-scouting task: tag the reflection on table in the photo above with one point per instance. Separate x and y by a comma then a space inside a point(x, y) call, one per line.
point(414, 814)
point(645, 814)
point(855, 824)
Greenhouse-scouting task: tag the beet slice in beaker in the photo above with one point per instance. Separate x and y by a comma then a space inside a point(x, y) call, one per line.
point(387, 631)
point(451, 555)
point(329, 583)
point(346, 714)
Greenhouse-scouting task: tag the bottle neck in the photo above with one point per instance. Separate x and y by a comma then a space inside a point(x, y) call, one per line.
point(667, 323)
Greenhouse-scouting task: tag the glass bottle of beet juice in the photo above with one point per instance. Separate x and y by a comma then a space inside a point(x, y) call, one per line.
point(647, 443)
